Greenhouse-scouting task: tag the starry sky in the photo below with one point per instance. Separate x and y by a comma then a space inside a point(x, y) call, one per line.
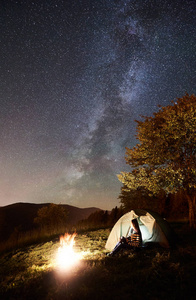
point(74, 75)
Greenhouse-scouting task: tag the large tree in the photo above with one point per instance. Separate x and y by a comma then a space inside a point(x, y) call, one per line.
point(165, 157)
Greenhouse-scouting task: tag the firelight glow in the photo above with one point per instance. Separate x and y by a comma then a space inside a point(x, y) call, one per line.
point(66, 256)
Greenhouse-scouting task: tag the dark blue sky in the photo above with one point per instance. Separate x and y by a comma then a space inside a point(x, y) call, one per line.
point(75, 75)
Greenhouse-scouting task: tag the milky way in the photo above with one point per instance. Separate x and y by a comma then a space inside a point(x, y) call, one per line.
point(74, 77)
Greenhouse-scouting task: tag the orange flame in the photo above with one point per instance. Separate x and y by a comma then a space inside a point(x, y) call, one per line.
point(67, 240)
point(66, 257)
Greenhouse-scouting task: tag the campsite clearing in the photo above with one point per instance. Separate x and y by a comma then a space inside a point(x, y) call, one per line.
point(152, 273)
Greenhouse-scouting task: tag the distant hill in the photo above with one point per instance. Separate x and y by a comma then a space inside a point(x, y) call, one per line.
point(21, 215)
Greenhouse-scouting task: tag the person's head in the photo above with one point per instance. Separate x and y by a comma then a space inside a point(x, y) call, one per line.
point(135, 225)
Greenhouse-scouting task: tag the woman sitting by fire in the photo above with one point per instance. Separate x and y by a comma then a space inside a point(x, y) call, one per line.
point(132, 241)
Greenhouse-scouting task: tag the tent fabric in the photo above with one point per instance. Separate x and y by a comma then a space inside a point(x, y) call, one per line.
point(152, 226)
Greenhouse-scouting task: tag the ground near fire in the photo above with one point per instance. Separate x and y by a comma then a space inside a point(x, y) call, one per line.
point(152, 273)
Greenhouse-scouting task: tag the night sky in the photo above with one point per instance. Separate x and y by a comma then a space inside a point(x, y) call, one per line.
point(75, 74)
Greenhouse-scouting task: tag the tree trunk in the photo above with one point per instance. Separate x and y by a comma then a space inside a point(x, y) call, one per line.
point(192, 210)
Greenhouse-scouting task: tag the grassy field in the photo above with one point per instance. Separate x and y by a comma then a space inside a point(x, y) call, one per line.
point(152, 273)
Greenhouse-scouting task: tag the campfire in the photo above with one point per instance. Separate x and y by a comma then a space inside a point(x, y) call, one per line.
point(66, 256)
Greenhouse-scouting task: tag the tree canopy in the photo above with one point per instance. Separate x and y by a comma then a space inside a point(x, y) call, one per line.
point(165, 157)
point(140, 198)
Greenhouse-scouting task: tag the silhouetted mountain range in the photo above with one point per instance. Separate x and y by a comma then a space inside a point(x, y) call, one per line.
point(21, 215)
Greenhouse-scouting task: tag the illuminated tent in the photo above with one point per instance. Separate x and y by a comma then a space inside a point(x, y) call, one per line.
point(152, 226)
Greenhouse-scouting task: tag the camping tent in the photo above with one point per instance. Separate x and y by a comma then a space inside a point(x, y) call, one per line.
point(153, 228)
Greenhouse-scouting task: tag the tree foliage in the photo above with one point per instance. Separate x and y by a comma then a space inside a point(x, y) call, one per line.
point(140, 198)
point(51, 217)
point(165, 158)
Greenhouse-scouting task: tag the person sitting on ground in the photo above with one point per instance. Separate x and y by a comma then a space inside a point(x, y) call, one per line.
point(132, 241)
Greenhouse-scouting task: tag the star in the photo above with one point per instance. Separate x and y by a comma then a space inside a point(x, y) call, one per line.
point(75, 75)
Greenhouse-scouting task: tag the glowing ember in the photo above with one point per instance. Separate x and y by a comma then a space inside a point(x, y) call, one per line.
point(66, 257)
